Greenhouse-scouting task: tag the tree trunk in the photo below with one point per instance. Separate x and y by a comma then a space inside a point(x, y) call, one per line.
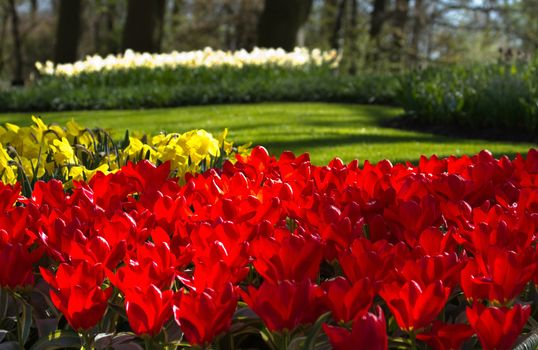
point(33, 9)
point(112, 44)
point(175, 12)
point(398, 37)
point(280, 22)
point(245, 25)
point(95, 19)
point(227, 13)
point(419, 22)
point(337, 29)
point(377, 19)
point(143, 28)
point(18, 78)
point(3, 30)
point(68, 31)
point(353, 30)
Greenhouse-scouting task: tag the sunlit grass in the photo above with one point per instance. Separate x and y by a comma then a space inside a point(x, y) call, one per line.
point(324, 130)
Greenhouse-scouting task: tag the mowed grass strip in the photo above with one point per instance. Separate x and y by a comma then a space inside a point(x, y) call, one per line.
point(325, 130)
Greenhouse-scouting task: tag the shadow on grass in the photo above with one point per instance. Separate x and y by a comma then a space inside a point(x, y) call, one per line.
point(406, 123)
point(340, 140)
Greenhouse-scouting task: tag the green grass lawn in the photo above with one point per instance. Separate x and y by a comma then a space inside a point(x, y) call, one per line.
point(324, 130)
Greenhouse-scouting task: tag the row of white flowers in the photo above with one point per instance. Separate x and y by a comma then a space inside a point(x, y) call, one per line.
point(299, 57)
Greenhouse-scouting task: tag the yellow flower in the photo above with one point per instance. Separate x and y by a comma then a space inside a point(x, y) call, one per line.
point(39, 128)
point(137, 150)
point(81, 173)
point(29, 166)
point(200, 145)
point(170, 150)
point(53, 150)
point(82, 135)
point(62, 152)
point(8, 173)
point(224, 144)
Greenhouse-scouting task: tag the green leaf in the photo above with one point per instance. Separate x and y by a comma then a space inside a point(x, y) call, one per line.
point(10, 345)
point(3, 334)
point(24, 324)
point(310, 342)
point(123, 340)
point(46, 326)
point(4, 303)
point(530, 343)
point(60, 339)
point(297, 343)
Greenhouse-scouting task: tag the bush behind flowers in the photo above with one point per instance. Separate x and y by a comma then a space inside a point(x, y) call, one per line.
point(501, 97)
point(191, 78)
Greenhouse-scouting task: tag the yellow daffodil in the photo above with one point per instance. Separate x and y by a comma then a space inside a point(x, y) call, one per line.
point(72, 152)
point(8, 172)
point(62, 152)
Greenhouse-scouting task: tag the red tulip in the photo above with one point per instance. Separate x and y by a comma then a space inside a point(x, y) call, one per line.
point(499, 276)
point(76, 292)
point(414, 217)
point(446, 336)
point(367, 259)
point(154, 267)
point(427, 269)
point(214, 267)
point(204, 315)
point(434, 242)
point(367, 332)
point(287, 257)
point(17, 265)
point(280, 306)
point(148, 309)
point(50, 193)
point(498, 328)
point(348, 301)
point(412, 306)
point(9, 194)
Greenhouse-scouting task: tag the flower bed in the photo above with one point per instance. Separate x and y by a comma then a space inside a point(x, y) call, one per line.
point(276, 254)
point(142, 80)
point(299, 58)
point(74, 152)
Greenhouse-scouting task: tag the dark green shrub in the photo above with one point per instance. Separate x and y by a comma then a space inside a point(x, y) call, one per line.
point(499, 96)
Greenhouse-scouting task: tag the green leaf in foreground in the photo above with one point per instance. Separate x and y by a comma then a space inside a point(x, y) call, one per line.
point(61, 339)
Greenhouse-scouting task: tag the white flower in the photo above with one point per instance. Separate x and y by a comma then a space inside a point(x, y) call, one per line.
point(299, 57)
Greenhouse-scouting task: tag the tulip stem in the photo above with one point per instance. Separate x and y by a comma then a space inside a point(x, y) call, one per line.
point(148, 343)
point(413, 338)
point(86, 341)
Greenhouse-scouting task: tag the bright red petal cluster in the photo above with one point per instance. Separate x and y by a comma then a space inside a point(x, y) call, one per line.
point(292, 241)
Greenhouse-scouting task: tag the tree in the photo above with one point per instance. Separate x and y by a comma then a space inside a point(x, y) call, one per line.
point(68, 31)
point(101, 17)
point(280, 22)
point(3, 34)
point(337, 25)
point(353, 49)
point(419, 22)
point(377, 19)
point(33, 9)
point(18, 78)
point(399, 31)
point(245, 24)
point(143, 30)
